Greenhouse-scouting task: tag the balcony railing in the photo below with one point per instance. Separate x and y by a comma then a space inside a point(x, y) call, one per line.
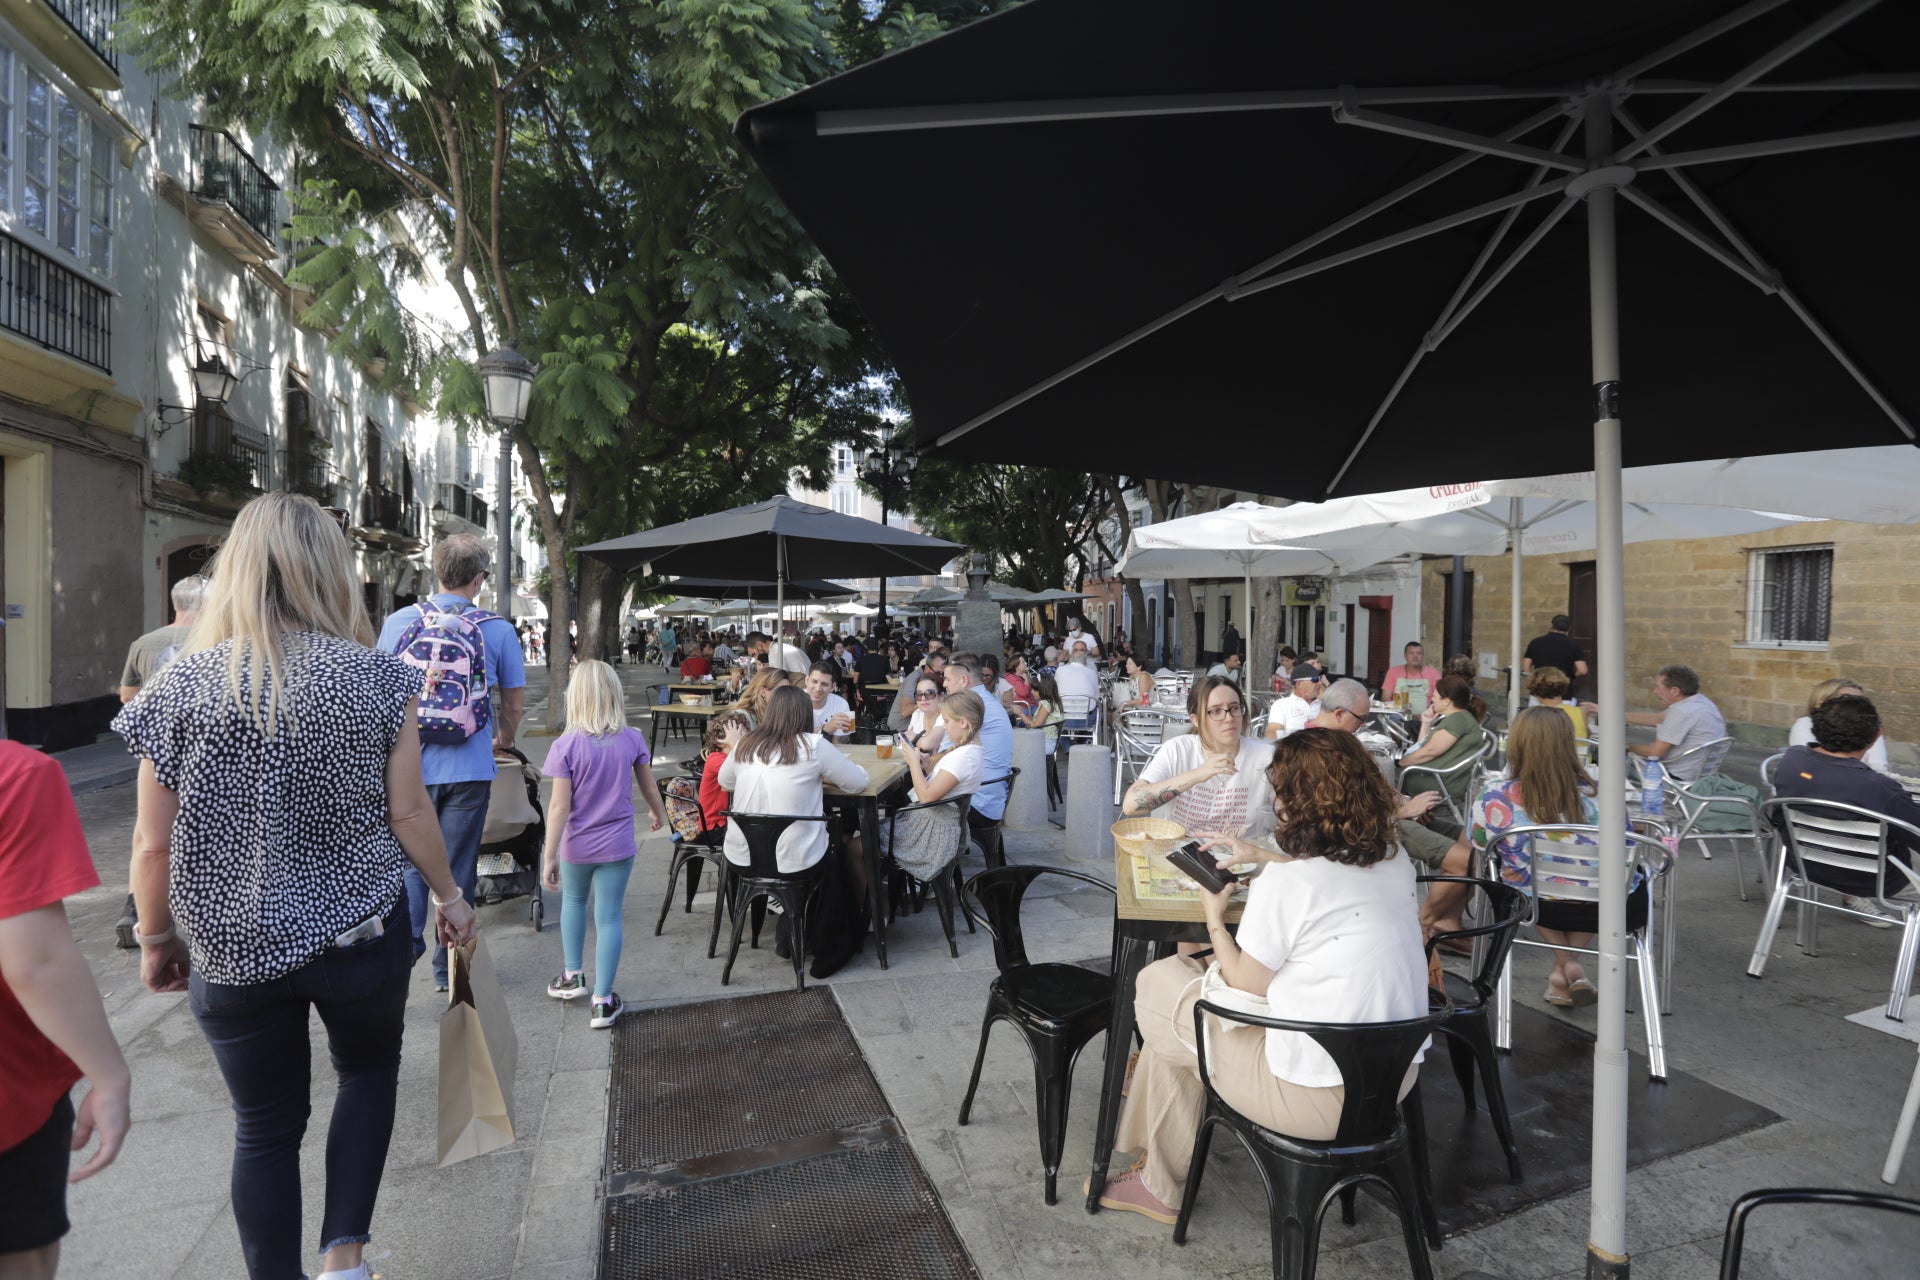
point(312, 475)
point(92, 21)
point(464, 502)
point(222, 170)
point(382, 508)
point(60, 309)
point(226, 454)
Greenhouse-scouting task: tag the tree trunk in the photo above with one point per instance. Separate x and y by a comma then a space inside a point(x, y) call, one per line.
point(600, 590)
point(1183, 610)
point(1263, 644)
point(1137, 617)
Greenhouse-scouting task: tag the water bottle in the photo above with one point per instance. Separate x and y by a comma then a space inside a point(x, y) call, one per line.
point(1653, 790)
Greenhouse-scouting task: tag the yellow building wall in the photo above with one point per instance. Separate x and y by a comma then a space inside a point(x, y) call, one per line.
point(1687, 600)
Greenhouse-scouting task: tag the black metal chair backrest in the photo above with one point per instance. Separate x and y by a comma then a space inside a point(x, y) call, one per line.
point(962, 805)
point(1734, 1241)
point(763, 832)
point(1373, 1058)
point(999, 891)
point(1508, 905)
point(1009, 777)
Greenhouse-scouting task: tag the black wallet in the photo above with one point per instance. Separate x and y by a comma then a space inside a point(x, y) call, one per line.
point(1189, 861)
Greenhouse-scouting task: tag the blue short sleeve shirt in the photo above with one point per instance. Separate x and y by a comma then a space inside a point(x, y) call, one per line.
point(472, 760)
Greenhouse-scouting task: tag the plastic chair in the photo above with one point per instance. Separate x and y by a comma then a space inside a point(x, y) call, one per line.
point(985, 831)
point(1577, 871)
point(1466, 768)
point(1057, 1008)
point(762, 878)
point(1469, 1032)
point(1825, 833)
point(692, 854)
point(946, 881)
point(1734, 1242)
point(1373, 1143)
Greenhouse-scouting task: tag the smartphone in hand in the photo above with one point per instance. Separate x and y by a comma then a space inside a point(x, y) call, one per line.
point(1190, 861)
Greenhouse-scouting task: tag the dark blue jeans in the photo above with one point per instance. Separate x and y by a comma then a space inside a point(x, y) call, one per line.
point(462, 807)
point(260, 1041)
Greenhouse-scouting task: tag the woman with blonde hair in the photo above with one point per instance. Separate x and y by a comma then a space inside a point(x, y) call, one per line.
point(1801, 734)
point(760, 687)
point(595, 765)
point(279, 797)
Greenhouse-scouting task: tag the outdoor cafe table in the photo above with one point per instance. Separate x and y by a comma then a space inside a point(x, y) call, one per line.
point(676, 709)
point(882, 777)
point(1143, 930)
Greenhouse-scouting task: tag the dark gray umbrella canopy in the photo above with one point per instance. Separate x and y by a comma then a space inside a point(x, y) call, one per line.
point(797, 589)
point(774, 540)
point(1069, 172)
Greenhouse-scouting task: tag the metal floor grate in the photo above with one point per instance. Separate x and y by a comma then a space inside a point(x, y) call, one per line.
point(701, 1079)
point(748, 1137)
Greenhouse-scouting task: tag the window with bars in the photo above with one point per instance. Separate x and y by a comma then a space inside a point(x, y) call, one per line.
point(1790, 596)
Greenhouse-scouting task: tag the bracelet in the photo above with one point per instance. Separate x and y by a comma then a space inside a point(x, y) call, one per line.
point(156, 939)
point(458, 897)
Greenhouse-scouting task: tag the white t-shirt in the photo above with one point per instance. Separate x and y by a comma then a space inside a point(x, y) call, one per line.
point(1220, 669)
point(1344, 946)
point(782, 656)
point(1801, 735)
point(1081, 637)
point(1293, 713)
point(835, 705)
point(760, 786)
point(967, 765)
point(1241, 804)
point(1077, 679)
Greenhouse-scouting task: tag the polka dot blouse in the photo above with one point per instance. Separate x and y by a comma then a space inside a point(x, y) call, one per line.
point(282, 842)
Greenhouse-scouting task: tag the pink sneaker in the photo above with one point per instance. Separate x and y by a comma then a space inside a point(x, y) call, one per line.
point(1128, 1193)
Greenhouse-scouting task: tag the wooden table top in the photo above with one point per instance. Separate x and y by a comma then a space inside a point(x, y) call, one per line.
point(1130, 907)
point(679, 708)
point(891, 686)
point(696, 686)
point(882, 775)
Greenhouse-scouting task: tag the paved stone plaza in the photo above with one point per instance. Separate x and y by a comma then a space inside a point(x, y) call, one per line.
point(530, 1210)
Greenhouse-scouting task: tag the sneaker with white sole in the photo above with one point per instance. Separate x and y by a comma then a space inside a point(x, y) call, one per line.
point(1877, 916)
point(607, 1011)
point(565, 988)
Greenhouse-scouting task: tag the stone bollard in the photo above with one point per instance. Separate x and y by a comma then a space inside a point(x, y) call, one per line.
point(1090, 810)
point(1027, 810)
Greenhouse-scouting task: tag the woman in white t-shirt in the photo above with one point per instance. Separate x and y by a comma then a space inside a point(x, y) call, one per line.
point(924, 842)
point(1213, 779)
point(779, 768)
point(1801, 734)
point(1331, 933)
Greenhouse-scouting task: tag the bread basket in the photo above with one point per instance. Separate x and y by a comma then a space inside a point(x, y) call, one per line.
point(1155, 837)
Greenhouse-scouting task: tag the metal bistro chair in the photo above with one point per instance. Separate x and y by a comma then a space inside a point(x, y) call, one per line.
point(1469, 768)
point(1577, 875)
point(1084, 709)
point(1136, 736)
point(1845, 837)
point(1734, 1242)
point(946, 883)
point(690, 855)
point(1702, 762)
point(762, 878)
point(1057, 1008)
point(1374, 1142)
point(985, 831)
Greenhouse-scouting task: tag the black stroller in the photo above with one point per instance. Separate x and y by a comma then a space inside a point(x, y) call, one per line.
point(514, 837)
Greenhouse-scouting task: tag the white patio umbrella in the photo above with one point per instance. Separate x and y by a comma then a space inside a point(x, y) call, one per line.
point(1221, 543)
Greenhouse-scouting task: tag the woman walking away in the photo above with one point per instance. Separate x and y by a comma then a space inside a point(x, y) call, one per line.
point(279, 795)
point(590, 843)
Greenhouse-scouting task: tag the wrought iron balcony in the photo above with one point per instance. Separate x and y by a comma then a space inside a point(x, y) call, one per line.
point(225, 454)
point(312, 475)
point(93, 22)
point(459, 500)
point(223, 171)
point(54, 306)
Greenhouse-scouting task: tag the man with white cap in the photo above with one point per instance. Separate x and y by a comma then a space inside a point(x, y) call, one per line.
point(1298, 709)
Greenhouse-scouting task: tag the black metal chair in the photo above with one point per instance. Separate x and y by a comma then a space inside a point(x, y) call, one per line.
point(1734, 1242)
point(692, 855)
point(1373, 1144)
point(1057, 1008)
point(986, 831)
point(762, 878)
point(945, 884)
point(1469, 1031)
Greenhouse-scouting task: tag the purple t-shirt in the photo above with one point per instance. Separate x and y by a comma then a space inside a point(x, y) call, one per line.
point(600, 824)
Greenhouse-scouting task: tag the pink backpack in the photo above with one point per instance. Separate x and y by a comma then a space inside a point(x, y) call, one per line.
point(447, 646)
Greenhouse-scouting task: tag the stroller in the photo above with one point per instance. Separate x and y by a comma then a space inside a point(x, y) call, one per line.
point(513, 838)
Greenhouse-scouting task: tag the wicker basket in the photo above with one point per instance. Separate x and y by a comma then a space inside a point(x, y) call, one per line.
point(1155, 837)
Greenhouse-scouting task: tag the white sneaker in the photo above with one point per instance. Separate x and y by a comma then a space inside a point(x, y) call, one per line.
point(1877, 916)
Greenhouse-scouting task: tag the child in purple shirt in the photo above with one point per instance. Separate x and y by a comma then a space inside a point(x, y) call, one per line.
point(590, 836)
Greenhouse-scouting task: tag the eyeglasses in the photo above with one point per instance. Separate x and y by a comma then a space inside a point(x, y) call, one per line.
point(1357, 717)
point(1231, 712)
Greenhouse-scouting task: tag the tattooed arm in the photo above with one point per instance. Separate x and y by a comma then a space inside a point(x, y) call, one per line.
point(1148, 794)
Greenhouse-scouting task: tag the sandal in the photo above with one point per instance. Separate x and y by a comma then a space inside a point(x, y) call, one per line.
point(1557, 999)
point(1582, 993)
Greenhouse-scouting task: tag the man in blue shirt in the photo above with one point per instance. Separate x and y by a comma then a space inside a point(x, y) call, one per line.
point(460, 778)
point(968, 671)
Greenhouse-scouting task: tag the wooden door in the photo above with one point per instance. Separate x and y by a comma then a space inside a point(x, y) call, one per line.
point(1379, 637)
point(1582, 592)
point(1348, 668)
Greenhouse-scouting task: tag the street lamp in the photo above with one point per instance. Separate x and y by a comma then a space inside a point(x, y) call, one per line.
point(887, 471)
point(506, 379)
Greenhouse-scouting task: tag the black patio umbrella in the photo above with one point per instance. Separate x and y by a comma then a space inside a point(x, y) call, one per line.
point(1331, 244)
point(776, 541)
point(797, 588)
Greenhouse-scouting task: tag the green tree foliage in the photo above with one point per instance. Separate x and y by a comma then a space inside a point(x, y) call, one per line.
point(1034, 522)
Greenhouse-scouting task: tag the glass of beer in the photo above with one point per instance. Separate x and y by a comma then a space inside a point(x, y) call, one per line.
point(883, 746)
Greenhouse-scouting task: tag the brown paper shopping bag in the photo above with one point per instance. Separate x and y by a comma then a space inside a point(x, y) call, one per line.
point(478, 1054)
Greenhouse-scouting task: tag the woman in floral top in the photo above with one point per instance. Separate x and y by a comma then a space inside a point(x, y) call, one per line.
point(1545, 784)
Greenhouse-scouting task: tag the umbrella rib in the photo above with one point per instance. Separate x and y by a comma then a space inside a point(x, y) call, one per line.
point(1810, 35)
point(1692, 191)
point(1409, 128)
point(1520, 251)
point(1692, 235)
point(1784, 146)
point(1695, 38)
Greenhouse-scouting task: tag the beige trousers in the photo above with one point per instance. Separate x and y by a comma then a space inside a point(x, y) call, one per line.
point(1163, 1108)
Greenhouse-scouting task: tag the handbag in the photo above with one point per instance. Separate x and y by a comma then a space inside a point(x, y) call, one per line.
point(1216, 990)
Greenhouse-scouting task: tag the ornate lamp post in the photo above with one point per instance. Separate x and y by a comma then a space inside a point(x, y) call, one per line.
point(506, 377)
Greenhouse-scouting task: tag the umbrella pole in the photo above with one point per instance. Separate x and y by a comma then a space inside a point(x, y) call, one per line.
point(1607, 1227)
point(1514, 691)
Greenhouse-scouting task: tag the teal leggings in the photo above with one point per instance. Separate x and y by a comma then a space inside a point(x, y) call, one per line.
point(608, 883)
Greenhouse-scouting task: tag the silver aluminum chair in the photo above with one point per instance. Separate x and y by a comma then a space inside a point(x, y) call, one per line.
point(1768, 768)
point(1578, 871)
point(1825, 833)
point(1137, 734)
point(1704, 761)
point(1078, 706)
point(1472, 769)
